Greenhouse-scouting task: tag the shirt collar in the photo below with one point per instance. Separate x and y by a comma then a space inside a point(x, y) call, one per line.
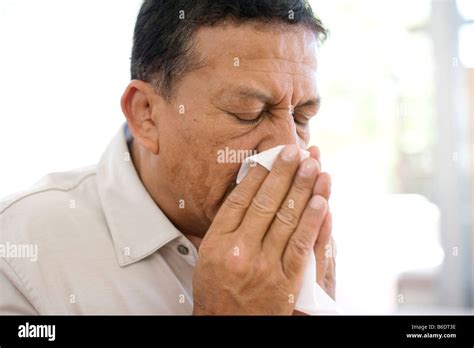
point(137, 224)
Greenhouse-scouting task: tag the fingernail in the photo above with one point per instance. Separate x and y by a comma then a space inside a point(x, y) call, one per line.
point(289, 153)
point(317, 202)
point(307, 168)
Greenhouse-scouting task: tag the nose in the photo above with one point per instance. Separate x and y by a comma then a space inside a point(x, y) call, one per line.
point(282, 132)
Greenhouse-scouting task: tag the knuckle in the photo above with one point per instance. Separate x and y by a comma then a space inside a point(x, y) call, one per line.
point(206, 249)
point(292, 265)
point(302, 186)
point(287, 218)
point(261, 267)
point(300, 245)
point(280, 168)
point(263, 204)
point(236, 265)
point(236, 200)
point(310, 222)
point(256, 174)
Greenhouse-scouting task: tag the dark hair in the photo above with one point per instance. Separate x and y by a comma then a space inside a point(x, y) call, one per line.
point(162, 45)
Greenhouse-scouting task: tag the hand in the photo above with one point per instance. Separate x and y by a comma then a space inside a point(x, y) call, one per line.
point(325, 247)
point(252, 259)
point(326, 269)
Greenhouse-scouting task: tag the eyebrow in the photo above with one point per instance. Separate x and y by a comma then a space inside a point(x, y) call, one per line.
point(311, 102)
point(249, 92)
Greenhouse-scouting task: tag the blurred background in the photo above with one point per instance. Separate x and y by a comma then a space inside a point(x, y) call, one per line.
point(397, 81)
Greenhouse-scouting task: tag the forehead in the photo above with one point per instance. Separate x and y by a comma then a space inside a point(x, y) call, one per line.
point(287, 48)
point(275, 57)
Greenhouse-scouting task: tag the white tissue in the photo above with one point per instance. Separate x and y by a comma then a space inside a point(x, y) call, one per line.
point(312, 298)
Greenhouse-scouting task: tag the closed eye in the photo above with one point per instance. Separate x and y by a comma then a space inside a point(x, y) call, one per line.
point(257, 119)
point(252, 121)
point(302, 120)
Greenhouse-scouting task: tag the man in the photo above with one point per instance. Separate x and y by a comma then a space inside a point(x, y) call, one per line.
point(159, 226)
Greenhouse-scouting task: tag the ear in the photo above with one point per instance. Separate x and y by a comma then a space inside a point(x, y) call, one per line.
point(138, 102)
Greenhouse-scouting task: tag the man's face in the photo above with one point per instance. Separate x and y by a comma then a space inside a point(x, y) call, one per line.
point(242, 99)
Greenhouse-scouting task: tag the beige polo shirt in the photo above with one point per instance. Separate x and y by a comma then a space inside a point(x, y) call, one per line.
point(92, 241)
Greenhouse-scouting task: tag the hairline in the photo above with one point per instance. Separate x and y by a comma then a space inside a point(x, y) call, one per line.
point(196, 61)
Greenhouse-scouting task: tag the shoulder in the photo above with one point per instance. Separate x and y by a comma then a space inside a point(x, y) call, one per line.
point(48, 204)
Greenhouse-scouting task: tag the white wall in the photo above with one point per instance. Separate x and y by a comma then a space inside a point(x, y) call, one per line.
point(63, 67)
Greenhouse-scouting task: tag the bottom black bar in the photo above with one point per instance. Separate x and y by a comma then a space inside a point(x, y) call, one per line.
point(139, 330)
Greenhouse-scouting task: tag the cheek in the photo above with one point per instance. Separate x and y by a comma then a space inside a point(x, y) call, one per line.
point(201, 138)
point(205, 183)
point(222, 166)
point(218, 185)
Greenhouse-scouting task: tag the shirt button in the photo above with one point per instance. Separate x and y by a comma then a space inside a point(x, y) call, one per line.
point(183, 250)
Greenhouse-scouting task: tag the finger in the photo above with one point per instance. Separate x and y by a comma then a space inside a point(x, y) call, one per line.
point(323, 186)
point(270, 195)
point(315, 153)
point(287, 218)
point(302, 240)
point(329, 283)
point(237, 202)
point(330, 279)
point(323, 248)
